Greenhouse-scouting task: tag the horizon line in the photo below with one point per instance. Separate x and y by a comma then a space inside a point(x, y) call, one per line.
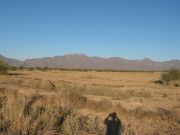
point(90, 56)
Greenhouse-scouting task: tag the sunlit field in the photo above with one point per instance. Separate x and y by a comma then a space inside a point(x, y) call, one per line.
point(57, 102)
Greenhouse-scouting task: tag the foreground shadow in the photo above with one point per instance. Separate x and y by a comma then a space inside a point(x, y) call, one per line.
point(113, 124)
point(16, 74)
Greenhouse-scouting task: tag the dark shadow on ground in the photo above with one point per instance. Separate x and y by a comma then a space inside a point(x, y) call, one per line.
point(15, 74)
point(158, 82)
point(113, 124)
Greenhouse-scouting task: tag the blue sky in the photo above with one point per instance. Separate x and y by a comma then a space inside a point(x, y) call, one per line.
point(133, 29)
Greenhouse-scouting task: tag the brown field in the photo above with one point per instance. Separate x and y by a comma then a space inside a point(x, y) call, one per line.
point(77, 103)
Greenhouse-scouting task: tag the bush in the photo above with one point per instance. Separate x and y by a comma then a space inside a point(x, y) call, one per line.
point(172, 75)
point(13, 68)
point(21, 68)
point(42, 68)
point(31, 69)
point(3, 68)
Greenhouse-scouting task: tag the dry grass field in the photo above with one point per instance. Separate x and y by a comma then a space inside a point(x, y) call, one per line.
point(77, 103)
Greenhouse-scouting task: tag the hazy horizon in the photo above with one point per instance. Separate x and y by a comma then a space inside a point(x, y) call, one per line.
point(87, 56)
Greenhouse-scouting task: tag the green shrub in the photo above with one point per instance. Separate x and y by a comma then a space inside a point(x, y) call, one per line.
point(13, 68)
point(21, 68)
point(3, 68)
point(31, 69)
point(42, 68)
point(172, 75)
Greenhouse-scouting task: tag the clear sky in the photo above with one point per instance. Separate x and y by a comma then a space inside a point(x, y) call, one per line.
point(132, 29)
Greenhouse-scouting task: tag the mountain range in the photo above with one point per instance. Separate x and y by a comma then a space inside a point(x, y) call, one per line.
point(84, 62)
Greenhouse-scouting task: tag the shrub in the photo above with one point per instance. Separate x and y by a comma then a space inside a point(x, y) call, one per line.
point(172, 75)
point(42, 68)
point(13, 68)
point(3, 68)
point(21, 68)
point(31, 69)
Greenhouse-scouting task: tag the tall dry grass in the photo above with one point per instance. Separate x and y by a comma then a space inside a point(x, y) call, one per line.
point(38, 114)
point(60, 113)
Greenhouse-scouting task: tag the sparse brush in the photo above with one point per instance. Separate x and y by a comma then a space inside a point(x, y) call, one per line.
point(13, 68)
point(72, 110)
point(30, 69)
point(172, 75)
point(42, 68)
point(3, 68)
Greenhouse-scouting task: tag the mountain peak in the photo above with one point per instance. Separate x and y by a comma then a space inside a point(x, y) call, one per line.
point(147, 59)
point(75, 55)
point(85, 62)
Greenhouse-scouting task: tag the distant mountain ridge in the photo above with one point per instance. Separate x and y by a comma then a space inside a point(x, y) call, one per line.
point(84, 62)
point(10, 61)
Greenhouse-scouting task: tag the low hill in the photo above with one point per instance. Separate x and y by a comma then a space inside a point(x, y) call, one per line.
point(84, 62)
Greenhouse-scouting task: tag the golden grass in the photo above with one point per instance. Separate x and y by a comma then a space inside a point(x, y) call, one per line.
point(76, 103)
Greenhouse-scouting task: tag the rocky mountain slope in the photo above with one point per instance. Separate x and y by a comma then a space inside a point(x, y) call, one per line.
point(85, 62)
